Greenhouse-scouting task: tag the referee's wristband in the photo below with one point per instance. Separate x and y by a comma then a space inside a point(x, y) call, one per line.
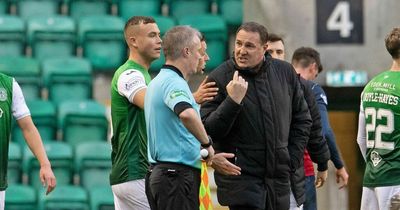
point(210, 142)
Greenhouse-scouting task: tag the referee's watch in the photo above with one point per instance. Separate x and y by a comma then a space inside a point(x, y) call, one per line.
point(210, 142)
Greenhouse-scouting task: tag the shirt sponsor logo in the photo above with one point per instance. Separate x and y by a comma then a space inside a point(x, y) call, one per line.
point(133, 83)
point(3, 94)
point(375, 158)
point(177, 93)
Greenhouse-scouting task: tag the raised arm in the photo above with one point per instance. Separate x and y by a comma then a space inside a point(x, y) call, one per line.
point(219, 114)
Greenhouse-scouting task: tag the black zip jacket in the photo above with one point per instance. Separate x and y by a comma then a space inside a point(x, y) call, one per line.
point(317, 146)
point(267, 132)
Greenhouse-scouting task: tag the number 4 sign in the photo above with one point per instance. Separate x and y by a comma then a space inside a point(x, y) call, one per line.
point(339, 21)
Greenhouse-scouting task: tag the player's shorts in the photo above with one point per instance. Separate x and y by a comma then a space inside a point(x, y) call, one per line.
point(378, 197)
point(130, 195)
point(2, 199)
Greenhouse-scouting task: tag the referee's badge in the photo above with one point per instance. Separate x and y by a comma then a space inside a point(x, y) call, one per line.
point(3, 94)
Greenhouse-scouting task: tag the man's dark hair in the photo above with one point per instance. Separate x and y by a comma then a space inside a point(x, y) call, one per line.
point(136, 20)
point(305, 56)
point(257, 28)
point(275, 38)
point(392, 43)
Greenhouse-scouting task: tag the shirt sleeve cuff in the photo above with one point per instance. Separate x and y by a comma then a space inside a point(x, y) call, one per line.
point(181, 106)
point(322, 166)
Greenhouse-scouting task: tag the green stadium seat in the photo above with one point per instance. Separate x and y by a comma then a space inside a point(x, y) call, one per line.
point(81, 121)
point(231, 11)
point(12, 36)
point(26, 71)
point(129, 8)
point(61, 157)
point(3, 7)
point(181, 8)
point(66, 197)
point(164, 23)
point(93, 163)
point(14, 170)
point(27, 9)
point(51, 37)
point(101, 198)
point(102, 40)
point(43, 114)
point(21, 197)
point(67, 79)
point(84, 8)
point(215, 31)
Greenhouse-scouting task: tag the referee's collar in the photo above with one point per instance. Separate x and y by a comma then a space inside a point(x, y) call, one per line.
point(173, 68)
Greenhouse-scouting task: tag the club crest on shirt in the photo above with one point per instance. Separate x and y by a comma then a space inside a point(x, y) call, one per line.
point(3, 94)
point(375, 158)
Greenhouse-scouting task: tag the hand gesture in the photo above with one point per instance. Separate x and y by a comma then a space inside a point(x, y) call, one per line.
point(47, 178)
point(237, 88)
point(342, 177)
point(205, 92)
point(223, 166)
point(321, 178)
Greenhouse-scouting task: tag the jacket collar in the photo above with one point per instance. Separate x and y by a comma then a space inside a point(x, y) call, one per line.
point(250, 71)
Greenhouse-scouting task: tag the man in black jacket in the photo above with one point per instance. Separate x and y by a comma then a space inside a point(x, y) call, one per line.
point(317, 147)
point(260, 115)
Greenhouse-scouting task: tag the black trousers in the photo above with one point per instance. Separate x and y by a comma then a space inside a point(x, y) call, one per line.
point(172, 186)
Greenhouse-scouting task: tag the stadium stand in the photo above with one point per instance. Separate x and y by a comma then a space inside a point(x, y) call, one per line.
point(231, 11)
point(51, 37)
point(81, 121)
point(12, 36)
point(14, 170)
point(215, 31)
point(65, 197)
point(21, 197)
point(3, 7)
point(84, 8)
point(103, 44)
point(27, 9)
point(181, 8)
point(101, 198)
point(93, 163)
point(60, 155)
point(43, 114)
point(129, 8)
point(26, 71)
point(67, 79)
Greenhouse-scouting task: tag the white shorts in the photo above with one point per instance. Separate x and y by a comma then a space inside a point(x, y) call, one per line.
point(130, 195)
point(378, 197)
point(2, 199)
point(293, 203)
